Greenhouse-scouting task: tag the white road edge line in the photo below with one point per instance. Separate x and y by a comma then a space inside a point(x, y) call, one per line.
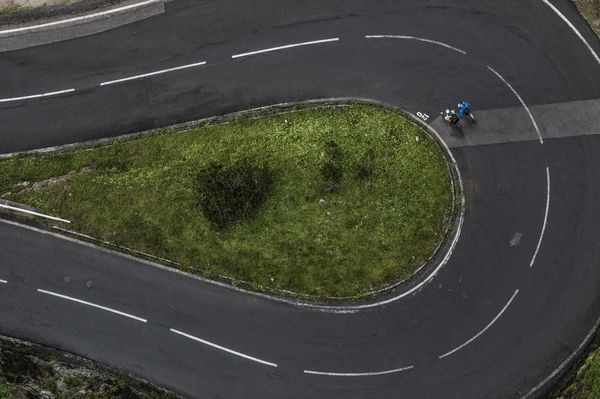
point(579, 35)
point(482, 331)
point(335, 39)
point(415, 38)
point(567, 361)
point(545, 217)
point(145, 75)
point(91, 304)
point(52, 93)
point(28, 212)
point(522, 103)
point(254, 359)
point(367, 374)
point(77, 19)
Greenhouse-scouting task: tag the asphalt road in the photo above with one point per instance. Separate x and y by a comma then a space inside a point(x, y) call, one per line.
point(520, 292)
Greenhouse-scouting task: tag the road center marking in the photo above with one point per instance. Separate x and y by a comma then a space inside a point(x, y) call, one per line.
point(482, 331)
point(145, 75)
point(335, 39)
point(52, 93)
point(545, 216)
point(222, 348)
point(366, 374)
point(522, 103)
point(92, 305)
point(415, 38)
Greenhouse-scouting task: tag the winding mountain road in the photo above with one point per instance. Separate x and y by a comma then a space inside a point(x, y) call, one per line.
point(518, 296)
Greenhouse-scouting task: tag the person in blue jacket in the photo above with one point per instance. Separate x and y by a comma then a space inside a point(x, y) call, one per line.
point(464, 109)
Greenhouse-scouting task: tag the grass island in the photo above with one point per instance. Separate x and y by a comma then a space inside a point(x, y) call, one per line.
point(315, 201)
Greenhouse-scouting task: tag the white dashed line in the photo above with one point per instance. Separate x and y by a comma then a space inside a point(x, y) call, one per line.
point(92, 305)
point(254, 359)
point(3, 282)
point(52, 93)
point(367, 374)
point(415, 38)
point(579, 35)
point(145, 75)
point(545, 216)
point(335, 39)
point(482, 331)
point(78, 19)
point(522, 103)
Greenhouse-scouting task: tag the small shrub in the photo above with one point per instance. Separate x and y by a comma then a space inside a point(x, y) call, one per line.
point(232, 193)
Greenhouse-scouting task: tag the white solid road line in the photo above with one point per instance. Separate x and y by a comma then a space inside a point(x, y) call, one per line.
point(415, 38)
point(145, 75)
point(28, 212)
point(579, 35)
point(545, 216)
point(482, 331)
point(535, 125)
point(52, 93)
point(78, 19)
point(335, 39)
point(366, 374)
point(92, 305)
point(254, 359)
point(568, 361)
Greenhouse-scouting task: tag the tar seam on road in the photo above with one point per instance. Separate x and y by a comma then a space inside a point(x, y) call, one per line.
point(28, 212)
point(579, 35)
point(145, 75)
point(415, 38)
point(482, 331)
point(335, 39)
point(55, 294)
point(522, 103)
point(366, 374)
point(78, 19)
point(52, 93)
point(254, 359)
point(545, 216)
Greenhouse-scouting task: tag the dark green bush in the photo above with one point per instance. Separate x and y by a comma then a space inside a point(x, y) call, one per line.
point(232, 193)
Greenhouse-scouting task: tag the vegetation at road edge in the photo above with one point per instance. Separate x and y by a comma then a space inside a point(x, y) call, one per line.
point(33, 371)
point(590, 10)
point(583, 382)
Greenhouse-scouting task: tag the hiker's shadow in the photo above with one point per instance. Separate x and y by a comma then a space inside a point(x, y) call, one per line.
point(456, 132)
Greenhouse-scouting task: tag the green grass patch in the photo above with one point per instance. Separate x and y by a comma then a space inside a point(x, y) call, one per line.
point(353, 198)
point(9, 10)
point(5, 392)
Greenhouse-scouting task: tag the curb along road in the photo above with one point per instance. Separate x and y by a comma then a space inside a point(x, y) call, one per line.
point(65, 27)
